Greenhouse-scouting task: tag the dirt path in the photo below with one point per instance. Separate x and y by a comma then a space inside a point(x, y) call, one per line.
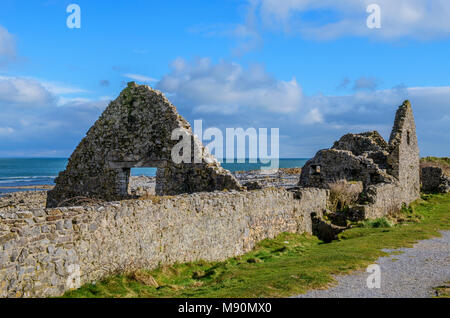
point(412, 274)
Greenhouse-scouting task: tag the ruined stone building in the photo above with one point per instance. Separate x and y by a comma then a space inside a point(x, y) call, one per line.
point(389, 172)
point(47, 251)
point(135, 130)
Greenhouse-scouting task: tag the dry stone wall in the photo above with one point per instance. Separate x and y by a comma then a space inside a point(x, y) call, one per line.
point(44, 252)
point(381, 200)
point(434, 179)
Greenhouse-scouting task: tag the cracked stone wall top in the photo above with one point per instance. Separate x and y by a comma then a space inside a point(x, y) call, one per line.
point(135, 131)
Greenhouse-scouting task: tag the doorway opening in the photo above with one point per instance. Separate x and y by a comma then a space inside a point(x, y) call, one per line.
point(142, 182)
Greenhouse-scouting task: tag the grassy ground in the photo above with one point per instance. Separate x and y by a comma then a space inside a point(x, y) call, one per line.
point(288, 265)
point(443, 291)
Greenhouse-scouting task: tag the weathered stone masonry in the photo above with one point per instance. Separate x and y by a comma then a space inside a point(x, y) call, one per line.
point(434, 179)
point(136, 130)
point(45, 252)
point(389, 171)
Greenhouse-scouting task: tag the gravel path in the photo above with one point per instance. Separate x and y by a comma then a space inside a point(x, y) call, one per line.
point(411, 274)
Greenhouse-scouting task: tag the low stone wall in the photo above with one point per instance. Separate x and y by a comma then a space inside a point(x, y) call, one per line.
point(45, 252)
point(383, 199)
point(433, 179)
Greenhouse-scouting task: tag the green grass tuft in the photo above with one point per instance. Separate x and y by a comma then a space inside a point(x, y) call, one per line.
point(443, 291)
point(378, 223)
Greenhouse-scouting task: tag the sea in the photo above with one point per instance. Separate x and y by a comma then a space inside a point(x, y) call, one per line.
point(16, 172)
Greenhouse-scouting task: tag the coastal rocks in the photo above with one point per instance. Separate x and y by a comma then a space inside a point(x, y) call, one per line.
point(434, 179)
point(136, 130)
point(142, 186)
point(281, 178)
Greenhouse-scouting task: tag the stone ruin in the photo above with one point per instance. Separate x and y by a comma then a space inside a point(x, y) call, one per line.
point(434, 180)
point(135, 130)
point(45, 252)
point(389, 172)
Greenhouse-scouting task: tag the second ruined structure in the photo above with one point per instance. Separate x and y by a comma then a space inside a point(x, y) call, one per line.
point(389, 172)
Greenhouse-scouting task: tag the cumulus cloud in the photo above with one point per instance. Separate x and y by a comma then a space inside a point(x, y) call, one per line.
point(227, 87)
point(314, 116)
point(37, 120)
point(18, 90)
point(375, 110)
point(226, 94)
point(32, 92)
point(419, 19)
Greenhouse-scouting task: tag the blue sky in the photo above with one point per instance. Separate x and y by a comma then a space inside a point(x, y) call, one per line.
point(311, 68)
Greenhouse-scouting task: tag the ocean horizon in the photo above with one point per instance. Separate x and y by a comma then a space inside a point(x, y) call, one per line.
point(24, 172)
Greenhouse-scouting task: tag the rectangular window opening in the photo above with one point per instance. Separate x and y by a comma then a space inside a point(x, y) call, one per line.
point(142, 181)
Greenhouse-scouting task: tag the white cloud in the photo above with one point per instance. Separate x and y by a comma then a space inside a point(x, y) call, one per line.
point(23, 91)
point(7, 44)
point(28, 91)
point(140, 78)
point(227, 87)
point(419, 19)
point(35, 119)
point(314, 116)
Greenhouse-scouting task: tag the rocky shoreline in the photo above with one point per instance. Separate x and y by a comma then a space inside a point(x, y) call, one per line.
point(31, 198)
point(34, 197)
